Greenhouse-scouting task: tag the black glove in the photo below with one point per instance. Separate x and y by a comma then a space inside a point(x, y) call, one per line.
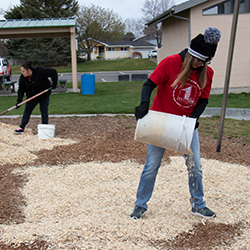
point(141, 111)
point(196, 124)
point(197, 121)
point(54, 86)
point(17, 107)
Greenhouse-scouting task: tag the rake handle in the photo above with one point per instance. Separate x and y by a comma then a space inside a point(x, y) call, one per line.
point(27, 100)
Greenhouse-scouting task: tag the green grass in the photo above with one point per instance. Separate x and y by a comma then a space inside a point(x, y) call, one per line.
point(241, 100)
point(209, 126)
point(111, 97)
point(103, 65)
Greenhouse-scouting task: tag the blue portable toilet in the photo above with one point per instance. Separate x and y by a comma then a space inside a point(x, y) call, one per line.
point(88, 84)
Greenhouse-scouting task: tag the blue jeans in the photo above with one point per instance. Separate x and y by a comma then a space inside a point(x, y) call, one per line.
point(150, 170)
point(29, 106)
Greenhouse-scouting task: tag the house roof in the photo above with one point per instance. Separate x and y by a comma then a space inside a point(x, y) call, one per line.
point(140, 37)
point(175, 10)
point(147, 36)
point(128, 43)
point(35, 23)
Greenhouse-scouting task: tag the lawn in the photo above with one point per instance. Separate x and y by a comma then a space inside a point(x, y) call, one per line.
point(111, 97)
point(103, 65)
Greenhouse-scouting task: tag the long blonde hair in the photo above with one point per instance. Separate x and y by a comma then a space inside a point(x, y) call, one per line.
point(186, 71)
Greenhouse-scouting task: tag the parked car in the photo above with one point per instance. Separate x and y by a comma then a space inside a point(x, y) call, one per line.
point(152, 54)
point(5, 69)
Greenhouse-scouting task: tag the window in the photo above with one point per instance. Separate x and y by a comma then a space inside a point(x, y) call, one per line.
point(5, 62)
point(227, 7)
point(111, 49)
point(101, 48)
point(123, 48)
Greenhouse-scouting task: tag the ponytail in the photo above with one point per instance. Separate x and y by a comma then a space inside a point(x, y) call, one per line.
point(28, 65)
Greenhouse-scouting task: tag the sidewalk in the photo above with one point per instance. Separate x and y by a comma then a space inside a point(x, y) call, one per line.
point(218, 91)
point(233, 113)
point(237, 114)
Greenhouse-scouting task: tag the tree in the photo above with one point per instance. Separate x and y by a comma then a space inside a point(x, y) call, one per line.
point(2, 11)
point(134, 26)
point(43, 9)
point(45, 51)
point(151, 9)
point(3, 50)
point(96, 24)
point(129, 36)
point(15, 12)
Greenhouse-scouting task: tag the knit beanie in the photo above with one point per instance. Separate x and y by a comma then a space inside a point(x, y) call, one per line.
point(204, 46)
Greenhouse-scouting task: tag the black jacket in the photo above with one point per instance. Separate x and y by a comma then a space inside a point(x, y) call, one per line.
point(37, 83)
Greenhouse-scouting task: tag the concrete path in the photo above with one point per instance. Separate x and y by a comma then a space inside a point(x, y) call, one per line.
point(233, 113)
point(237, 114)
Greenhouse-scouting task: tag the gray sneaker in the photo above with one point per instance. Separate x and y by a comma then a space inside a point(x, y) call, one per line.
point(138, 212)
point(203, 212)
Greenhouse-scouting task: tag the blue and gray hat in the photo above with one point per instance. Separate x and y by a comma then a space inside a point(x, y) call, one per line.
point(204, 46)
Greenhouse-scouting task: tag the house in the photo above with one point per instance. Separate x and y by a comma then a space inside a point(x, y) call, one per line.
point(121, 49)
point(147, 38)
point(182, 22)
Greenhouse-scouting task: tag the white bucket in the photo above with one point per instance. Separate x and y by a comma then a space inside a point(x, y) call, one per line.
point(164, 130)
point(46, 131)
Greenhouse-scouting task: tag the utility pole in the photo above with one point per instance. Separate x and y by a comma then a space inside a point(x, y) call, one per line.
point(228, 72)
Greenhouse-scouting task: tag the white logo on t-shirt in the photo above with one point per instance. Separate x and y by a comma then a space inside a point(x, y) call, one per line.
point(188, 95)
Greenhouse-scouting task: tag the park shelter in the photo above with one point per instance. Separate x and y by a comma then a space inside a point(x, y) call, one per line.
point(43, 28)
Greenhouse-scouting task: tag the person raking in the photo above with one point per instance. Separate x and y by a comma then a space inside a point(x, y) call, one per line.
point(32, 81)
point(174, 77)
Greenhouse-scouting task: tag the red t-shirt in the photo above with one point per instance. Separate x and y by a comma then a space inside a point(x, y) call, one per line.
point(178, 101)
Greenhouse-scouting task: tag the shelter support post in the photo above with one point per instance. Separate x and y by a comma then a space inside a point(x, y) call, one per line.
point(73, 57)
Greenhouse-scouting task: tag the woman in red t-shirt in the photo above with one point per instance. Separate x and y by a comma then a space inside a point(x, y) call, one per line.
point(183, 84)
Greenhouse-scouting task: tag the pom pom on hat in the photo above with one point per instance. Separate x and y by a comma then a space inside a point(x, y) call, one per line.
point(212, 35)
point(204, 46)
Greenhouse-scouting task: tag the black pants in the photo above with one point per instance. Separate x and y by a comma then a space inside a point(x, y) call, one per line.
point(29, 106)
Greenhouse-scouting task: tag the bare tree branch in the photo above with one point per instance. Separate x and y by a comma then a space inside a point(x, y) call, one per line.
point(152, 9)
point(95, 24)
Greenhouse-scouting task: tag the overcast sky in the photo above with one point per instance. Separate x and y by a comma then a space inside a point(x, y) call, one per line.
point(125, 9)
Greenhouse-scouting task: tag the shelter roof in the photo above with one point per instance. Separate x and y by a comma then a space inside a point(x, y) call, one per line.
point(36, 23)
point(37, 28)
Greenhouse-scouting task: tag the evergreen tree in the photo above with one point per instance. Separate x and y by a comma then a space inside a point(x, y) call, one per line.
point(46, 51)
